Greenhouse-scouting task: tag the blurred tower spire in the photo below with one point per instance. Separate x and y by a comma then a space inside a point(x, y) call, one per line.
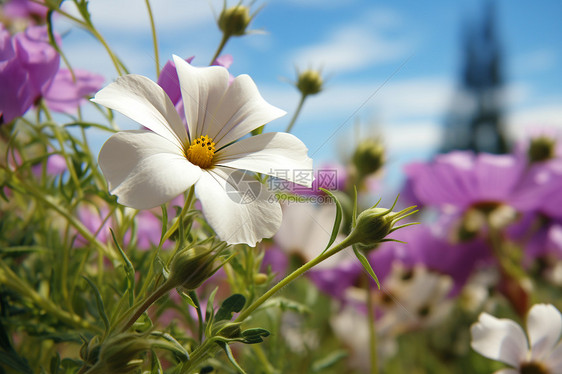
point(474, 120)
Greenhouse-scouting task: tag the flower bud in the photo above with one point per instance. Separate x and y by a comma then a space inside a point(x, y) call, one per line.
point(309, 82)
point(234, 21)
point(542, 148)
point(121, 354)
point(191, 267)
point(260, 278)
point(369, 157)
point(375, 224)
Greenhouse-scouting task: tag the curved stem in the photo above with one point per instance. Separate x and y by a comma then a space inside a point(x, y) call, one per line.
point(291, 277)
point(297, 112)
point(154, 39)
point(372, 329)
point(199, 354)
point(158, 293)
point(224, 39)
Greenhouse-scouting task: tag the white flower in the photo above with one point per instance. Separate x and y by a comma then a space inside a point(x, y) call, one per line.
point(504, 340)
point(146, 168)
point(306, 231)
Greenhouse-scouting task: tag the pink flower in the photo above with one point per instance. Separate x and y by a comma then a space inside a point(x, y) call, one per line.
point(66, 94)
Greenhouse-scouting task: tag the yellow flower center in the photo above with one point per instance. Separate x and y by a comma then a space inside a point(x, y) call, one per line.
point(201, 152)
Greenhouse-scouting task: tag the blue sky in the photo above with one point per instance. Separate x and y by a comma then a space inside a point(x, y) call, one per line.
point(391, 67)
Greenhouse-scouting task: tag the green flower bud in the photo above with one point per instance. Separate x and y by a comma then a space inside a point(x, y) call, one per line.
point(121, 354)
point(309, 82)
point(234, 21)
point(369, 157)
point(542, 148)
point(192, 266)
point(375, 224)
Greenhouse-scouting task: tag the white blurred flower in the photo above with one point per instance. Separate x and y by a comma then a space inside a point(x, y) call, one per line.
point(504, 340)
point(306, 230)
point(147, 168)
point(352, 327)
point(415, 298)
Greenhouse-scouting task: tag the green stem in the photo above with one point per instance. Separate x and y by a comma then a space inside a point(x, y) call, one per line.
point(11, 280)
point(154, 39)
point(158, 293)
point(291, 277)
point(199, 354)
point(69, 164)
point(372, 329)
point(224, 39)
point(69, 217)
point(296, 114)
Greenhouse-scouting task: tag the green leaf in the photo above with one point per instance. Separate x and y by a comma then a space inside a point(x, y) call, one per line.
point(322, 364)
point(337, 222)
point(164, 223)
point(255, 335)
point(129, 270)
point(286, 304)
point(233, 304)
point(188, 299)
point(170, 344)
point(366, 265)
point(99, 304)
point(230, 357)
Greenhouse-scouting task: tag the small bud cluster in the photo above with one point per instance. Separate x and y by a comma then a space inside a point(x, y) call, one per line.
point(191, 267)
point(234, 21)
point(369, 157)
point(309, 82)
point(541, 148)
point(375, 224)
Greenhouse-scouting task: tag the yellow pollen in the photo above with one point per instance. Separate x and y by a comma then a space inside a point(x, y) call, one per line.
point(201, 152)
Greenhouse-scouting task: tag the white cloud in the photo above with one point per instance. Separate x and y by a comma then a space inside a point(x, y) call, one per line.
point(355, 46)
point(523, 121)
point(536, 61)
point(131, 16)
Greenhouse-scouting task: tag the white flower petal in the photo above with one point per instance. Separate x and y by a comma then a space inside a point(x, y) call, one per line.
point(145, 102)
point(554, 362)
point(202, 92)
point(237, 206)
point(499, 339)
point(144, 169)
point(507, 371)
point(544, 325)
point(275, 153)
point(242, 110)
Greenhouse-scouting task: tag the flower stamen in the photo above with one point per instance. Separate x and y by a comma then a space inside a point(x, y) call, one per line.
point(201, 152)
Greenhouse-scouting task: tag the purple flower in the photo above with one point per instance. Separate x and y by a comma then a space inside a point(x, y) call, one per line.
point(66, 94)
point(29, 70)
point(330, 176)
point(149, 231)
point(28, 66)
point(26, 9)
point(335, 281)
point(429, 246)
point(463, 179)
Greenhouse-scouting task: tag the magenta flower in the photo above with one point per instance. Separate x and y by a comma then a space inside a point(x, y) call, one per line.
point(29, 70)
point(25, 9)
point(28, 66)
point(66, 94)
point(460, 180)
point(430, 247)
